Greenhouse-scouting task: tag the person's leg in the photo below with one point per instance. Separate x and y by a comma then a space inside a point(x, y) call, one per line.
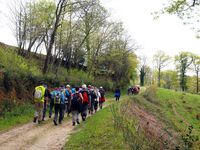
point(44, 111)
point(77, 117)
point(73, 117)
point(56, 107)
point(50, 110)
point(36, 113)
point(84, 112)
point(61, 113)
point(100, 106)
point(92, 106)
point(40, 113)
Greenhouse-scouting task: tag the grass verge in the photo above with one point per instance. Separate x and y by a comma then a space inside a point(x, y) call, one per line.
point(19, 115)
point(96, 133)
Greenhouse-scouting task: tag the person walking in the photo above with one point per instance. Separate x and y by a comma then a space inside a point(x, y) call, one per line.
point(59, 105)
point(53, 94)
point(45, 102)
point(68, 94)
point(75, 103)
point(96, 102)
point(85, 101)
point(40, 95)
point(117, 94)
point(102, 98)
point(93, 97)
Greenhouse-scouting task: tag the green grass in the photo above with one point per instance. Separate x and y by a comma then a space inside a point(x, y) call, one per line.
point(187, 105)
point(18, 115)
point(161, 105)
point(96, 133)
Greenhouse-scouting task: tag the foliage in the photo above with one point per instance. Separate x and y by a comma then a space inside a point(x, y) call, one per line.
point(170, 80)
point(184, 60)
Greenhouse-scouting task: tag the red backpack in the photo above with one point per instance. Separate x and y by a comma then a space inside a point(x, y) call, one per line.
point(85, 97)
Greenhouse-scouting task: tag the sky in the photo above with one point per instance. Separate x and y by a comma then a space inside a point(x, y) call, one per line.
point(166, 33)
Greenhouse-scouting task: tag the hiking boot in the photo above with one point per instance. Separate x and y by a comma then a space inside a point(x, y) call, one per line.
point(83, 118)
point(49, 116)
point(73, 123)
point(77, 122)
point(55, 123)
point(34, 119)
point(39, 121)
point(43, 119)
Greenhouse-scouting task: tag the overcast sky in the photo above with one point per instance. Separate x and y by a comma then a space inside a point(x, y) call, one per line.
point(167, 33)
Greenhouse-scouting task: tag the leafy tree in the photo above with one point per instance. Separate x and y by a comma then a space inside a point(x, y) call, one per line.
point(187, 10)
point(161, 60)
point(196, 68)
point(184, 60)
point(170, 79)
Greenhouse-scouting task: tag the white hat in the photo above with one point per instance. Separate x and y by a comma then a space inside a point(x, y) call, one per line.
point(84, 86)
point(67, 86)
point(101, 87)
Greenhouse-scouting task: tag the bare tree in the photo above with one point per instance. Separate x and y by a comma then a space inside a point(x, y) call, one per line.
point(161, 60)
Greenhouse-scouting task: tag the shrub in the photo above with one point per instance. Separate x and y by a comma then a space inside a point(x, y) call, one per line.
point(150, 94)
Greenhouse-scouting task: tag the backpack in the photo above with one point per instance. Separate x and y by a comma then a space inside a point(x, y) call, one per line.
point(85, 97)
point(57, 99)
point(67, 93)
point(38, 95)
point(75, 101)
point(93, 95)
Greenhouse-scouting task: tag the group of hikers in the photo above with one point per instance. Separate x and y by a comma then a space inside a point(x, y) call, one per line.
point(66, 100)
point(134, 90)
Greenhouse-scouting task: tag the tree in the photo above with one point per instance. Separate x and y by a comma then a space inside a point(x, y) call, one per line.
point(60, 8)
point(143, 69)
point(187, 10)
point(196, 68)
point(31, 19)
point(161, 60)
point(184, 60)
point(170, 79)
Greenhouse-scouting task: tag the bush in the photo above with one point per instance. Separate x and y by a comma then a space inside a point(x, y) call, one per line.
point(7, 80)
point(150, 94)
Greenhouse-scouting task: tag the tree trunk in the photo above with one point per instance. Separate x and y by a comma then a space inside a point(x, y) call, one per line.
point(159, 76)
point(197, 88)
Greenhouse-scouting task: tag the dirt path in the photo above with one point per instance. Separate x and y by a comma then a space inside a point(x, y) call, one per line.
point(32, 136)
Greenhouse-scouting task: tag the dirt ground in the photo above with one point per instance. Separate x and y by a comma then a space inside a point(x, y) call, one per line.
point(32, 136)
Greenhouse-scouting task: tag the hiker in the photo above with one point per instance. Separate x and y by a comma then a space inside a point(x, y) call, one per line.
point(136, 90)
point(129, 90)
point(68, 95)
point(75, 106)
point(53, 94)
point(85, 101)
point(59, 106)
point(96, 101)
point(93, 96)
point(45, 103)
point(102, 97)
point(40, 94)
point(117, 94)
